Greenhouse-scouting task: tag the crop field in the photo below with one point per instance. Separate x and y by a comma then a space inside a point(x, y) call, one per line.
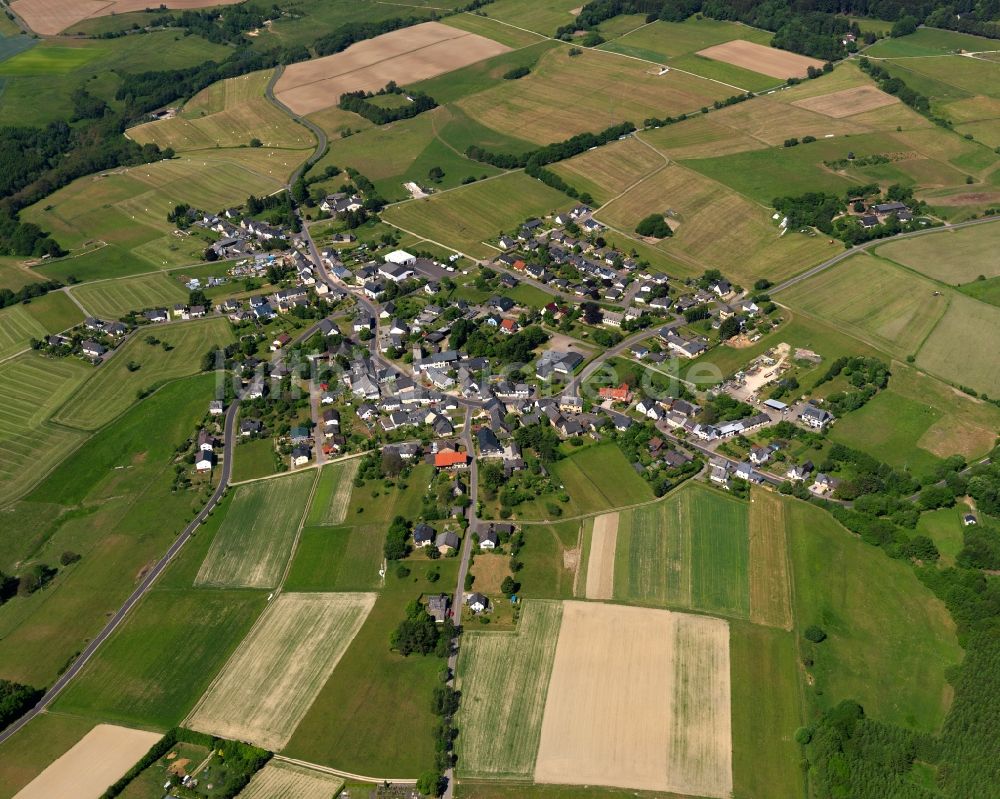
point(583, 474)
point(113, 298)
point(49, 17)
point(504, 678)
point(601, 559)
point(161, 660)
point(408, 55)
point(965, 320)
point(281, 666)
point(847, 102)
point(48, 59)
point(466, 217)
point(565, 95)
point(890, 640)
point(337, 559)
point(255, 540)
point(954, 256)
point(112, 388)
point(770, 61)
point(770, 602)
point(663, 722)
point(664, 41)
point(17, 328)
point(245, 114)
point(700, 137)
point(767, 710)
point(279, 780)
point(690, 551)
point(609, 170)
point(333, 493)
point(877, 301)
point(100, 758)
point(748, 246)
point(543, 18)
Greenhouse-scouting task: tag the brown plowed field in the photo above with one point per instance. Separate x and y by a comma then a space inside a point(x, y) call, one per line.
point(49, 17)
point(759, 58)
point(847, 102)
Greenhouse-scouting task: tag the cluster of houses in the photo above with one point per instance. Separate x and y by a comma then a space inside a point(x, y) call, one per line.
point(92, 340)
point(241, 235)
point(879, 213)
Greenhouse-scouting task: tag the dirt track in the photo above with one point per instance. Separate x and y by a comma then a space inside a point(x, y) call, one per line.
point(97, 760)
point(49, 17)
point(759, 58)
point(638, 699)
point(601, 562)
point(405, 56)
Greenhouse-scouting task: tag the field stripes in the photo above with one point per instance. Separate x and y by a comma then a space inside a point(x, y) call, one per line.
point(333, 493)
point(504, 679)
point(691, 551)
point(26, 457)
point(770, 602)
point(279, 780)
point(255, 539)
point(280, 668)
point(17, 328)
point(112, 298)
point(113, 387)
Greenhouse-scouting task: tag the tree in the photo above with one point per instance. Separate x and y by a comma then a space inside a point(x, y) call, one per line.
point(729, 328)
point(418, 632)
point(509, 586)
point(396, 546)
point(255, 142)
point(435, 174)
point(654, 226)
point(815, 634)
point(431, 783)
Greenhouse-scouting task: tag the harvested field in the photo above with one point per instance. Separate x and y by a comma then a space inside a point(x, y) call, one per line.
point(601, 561)
point(278, 780)
point(770, 602)
point(760, 58)
point(955, 257)
point(100, 758)
point(504, 678)
point(610, 170)
point(333, 493)
point(407, 55)
point(847, 102)
point(661, 724)
point(280, 668)
point(965, 320)
point(49, 17)
point(252, 546)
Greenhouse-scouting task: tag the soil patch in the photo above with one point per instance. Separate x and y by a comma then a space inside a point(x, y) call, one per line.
point(847, 102)
point(49, 17)
point(601, 563)
point(760, 58)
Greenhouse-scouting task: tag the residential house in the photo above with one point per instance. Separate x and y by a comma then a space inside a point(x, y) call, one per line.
point(205, 460)
point(423, 535)
point(815, 417)
point(301, 455)
point(439, 607)
point(447, 540)
point(478, 603)
point(488, 539)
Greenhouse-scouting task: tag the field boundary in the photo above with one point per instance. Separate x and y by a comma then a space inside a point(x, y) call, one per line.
point(298, 532)
point(338, 773)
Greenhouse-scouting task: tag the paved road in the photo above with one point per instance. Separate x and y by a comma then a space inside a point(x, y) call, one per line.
point(316, 130)
point(873, 243)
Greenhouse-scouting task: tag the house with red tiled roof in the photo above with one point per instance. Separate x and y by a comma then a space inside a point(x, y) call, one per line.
point(620, 394)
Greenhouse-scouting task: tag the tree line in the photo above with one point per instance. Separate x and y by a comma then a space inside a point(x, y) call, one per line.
point(360, 103)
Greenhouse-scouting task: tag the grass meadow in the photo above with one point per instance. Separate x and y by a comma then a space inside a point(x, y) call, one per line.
point(112, 388)
point(253, 459)
point(109, 501)
point(689, 551)
point(492, 29)
point(161, 660)
point(891, 308)
point(768, 569)
point(504, 678)
point(338, 559)
point(600, 478)
point(53, 313)
point(543, 18)
point(333, 493)
point(117, 297)
point(255, 541)
point(954, 257)
point(928, 42)
point(965, 320)
point(465, 217)
point(373, 715)
point(889, 641)
point(767, 709)
point(946, 529)
point(548, 573)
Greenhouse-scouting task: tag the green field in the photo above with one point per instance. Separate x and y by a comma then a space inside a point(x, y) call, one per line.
point(600, 478)
point(965, 320)
point(767, 709)
point(954, 257)
point(929, 42)
point(109, 501)
point(338, 559)
point(945, 528)
point(48, 59)
point(983, 290)
point(889, 428)
point(509, 35)
point(255, 541)
point(890, 640)
point(373, 716)
point(253, 459)
point(113, 388)
point(545, 574)
point(543, 17)
point(112, 298)
point(158, 664)
point(690, 551)
point(876, 301)
point(504, 678)
point(53, 313)
point(465, 217)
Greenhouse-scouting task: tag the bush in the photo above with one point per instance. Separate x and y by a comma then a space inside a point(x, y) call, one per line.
point(803, 735)
point(815, 634)
point(402, 572)
point(68, 557)
point(517, 72)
